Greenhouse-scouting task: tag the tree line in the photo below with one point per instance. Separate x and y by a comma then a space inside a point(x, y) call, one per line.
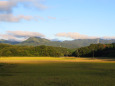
point(14, 50)
point(94, 50)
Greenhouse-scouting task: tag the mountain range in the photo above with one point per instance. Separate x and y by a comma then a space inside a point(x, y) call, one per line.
point(36, 41)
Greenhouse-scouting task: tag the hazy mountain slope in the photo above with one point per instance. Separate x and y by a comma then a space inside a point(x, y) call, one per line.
point(8, 41)
point(36, 41)
point(87, 42)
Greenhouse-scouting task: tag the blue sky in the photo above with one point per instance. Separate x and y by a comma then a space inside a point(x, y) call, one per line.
point(57, 19)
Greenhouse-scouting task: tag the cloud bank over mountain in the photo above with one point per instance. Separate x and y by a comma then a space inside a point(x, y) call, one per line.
point(74, 35)
point(20, 35)
point(23, 35)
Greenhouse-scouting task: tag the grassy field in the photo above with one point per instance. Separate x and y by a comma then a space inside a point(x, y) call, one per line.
point(36, 60)
point(56, 71)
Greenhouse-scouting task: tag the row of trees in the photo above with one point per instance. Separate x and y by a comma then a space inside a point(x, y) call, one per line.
point(13, 50)
point(94, 50)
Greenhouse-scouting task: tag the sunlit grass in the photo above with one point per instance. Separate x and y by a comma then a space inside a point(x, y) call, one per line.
point(51, 59)
point(56, 71)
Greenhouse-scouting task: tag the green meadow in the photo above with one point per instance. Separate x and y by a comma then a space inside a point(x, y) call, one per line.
point(56, 72)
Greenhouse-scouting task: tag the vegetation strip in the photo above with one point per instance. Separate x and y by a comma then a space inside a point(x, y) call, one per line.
point(51, 59)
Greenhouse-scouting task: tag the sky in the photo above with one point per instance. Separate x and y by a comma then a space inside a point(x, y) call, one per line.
point(57, 19)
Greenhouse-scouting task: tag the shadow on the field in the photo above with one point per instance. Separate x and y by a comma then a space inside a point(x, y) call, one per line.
point(100, 58)
point(106, 59)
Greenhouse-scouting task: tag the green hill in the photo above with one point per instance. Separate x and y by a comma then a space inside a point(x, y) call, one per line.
point(37, 41)
point(34, 41)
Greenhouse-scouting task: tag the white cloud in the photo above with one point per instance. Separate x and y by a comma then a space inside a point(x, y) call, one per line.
point(108, 37)
point(12, 18)
point(10, 37)
point(7, 6)
point(81, 36)
point(74, 35)
point(20, 35)
point(25, 34)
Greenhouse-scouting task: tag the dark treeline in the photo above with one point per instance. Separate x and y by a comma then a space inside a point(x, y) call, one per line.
point(94, 50)
point(13, 50)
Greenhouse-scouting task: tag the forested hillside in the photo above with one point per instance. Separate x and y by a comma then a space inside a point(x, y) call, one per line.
point(94, 50)
point(14, 50)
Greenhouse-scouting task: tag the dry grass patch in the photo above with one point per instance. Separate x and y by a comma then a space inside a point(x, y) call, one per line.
point(51, 59)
